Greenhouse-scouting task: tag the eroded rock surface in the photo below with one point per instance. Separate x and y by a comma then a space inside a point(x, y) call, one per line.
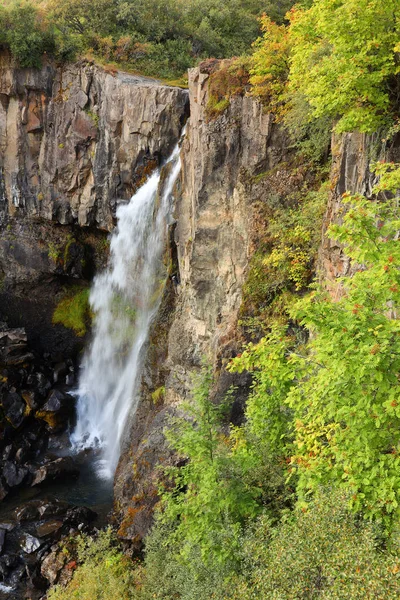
point(213, 210)
point(353, 155)
point(74, 140)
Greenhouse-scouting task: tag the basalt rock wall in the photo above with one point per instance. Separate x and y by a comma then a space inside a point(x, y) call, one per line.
point(75, 141)
point(353, 155)
point(214, 218)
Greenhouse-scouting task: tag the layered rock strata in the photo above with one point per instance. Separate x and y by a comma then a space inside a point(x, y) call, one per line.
point(214, 199)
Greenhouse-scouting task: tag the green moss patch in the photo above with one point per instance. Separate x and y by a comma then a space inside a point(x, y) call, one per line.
point(73, 311)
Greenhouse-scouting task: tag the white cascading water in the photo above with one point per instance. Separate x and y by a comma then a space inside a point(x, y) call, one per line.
point(125, 299)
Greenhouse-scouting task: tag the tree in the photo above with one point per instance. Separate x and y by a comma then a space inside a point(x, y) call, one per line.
point(343, 386)
point(344, 60)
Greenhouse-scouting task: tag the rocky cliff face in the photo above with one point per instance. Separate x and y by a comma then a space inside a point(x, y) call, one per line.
point(352, 157)
point(74, 141)
point(212, 245)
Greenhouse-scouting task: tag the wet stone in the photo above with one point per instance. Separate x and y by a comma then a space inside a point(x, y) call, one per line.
point(14, 408)
point(2, 539)
point(30, 543)
point(27, 512)
point(56, 469)
point(52, 509)
point(49, 528)
point(14, 475)
point(7, 525)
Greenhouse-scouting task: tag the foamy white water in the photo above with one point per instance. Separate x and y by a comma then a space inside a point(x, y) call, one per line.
point(125, 299)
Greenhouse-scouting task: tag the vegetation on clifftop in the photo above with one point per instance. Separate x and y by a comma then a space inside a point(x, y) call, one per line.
point(161, 38)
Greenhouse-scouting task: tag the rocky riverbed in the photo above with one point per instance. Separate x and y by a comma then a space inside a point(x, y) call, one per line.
point(42, 485)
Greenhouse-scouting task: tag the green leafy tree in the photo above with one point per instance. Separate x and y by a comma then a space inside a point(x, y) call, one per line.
point(345, 62)
point(208, 497)
point(27, 33)
point(343, 387)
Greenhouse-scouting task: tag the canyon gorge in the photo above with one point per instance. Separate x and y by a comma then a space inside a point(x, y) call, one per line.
point(77, 142)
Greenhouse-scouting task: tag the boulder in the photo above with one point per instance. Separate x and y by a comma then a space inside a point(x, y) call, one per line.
point(79, 515)
point(14, 408)
point(13, 347)
point(57, 410)
point(60, 371)
point(30, 543)
point(53, 565)
point(49, 529)
point(31, 398)
point(60, 468)
point(27, 512)
point(14, 475)
point(53, 508)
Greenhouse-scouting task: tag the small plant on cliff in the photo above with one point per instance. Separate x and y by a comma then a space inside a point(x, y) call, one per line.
point(226, 477)
point(283, 266)
point(228, 78)
point(73, 311)
point(206, 499)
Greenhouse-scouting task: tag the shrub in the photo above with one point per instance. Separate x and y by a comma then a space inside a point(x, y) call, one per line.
point(228, 78)
point(343, 385)
point(104, 573)
point(321, 552)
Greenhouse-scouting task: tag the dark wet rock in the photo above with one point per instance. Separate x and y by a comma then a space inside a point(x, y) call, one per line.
point(60, 468)
point(8, 452)
point(8, 562)
point(22, 454)
point(49, 528)
point(7, 525)
point(53, 509)
point(13, 347)
point(31, 398)
point(13, 474)
point(43, 384)
point(30, 543)
point(2, 539)
point(17, 574)
point(59, 441)
point(79, 515)
point(70, 379)
point(14, 408)
point(28, 512)
point(57, 410)
point(52, 565)
point(58, 402)
point(60, 371)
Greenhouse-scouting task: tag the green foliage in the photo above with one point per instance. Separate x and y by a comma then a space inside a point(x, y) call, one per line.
point(228, 78)
point(104, 573)
point(344, 60)
point(345, 401)
point(73, 311)
point(321, 552)
point(334, 61)
point(283, 265)
point(206, 497)
point(26, 32)
point(270, 64)
point(158, 395)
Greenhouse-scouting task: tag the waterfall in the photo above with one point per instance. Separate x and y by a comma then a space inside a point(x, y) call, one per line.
point(124, 299)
